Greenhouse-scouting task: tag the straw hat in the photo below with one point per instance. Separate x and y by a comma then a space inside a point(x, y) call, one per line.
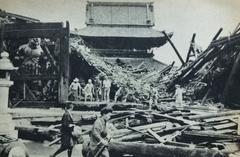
point(76, 80)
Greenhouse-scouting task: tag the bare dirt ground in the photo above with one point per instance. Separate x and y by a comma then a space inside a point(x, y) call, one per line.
point(42, 150)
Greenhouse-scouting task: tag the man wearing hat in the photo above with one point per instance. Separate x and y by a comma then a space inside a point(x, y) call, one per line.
point(75, 89)
point(99, 136)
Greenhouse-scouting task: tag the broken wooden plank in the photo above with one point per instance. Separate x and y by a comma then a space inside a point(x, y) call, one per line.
point(224, 126)
point(143, 128)
point(176, 119)
point(156, 136)
point(217, 119)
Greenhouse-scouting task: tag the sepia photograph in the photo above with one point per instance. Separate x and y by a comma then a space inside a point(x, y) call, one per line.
point(119, 78)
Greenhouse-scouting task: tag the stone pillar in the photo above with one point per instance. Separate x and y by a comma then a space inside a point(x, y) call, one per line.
point(6, 123)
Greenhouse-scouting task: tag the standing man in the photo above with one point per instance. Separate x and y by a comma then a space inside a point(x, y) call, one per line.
point(153, 97)
point(99, 136)
point(88, 90)
point(97, 89)
point(107, 85)
point(178, 95)
point(75, 89)
point(66, 132)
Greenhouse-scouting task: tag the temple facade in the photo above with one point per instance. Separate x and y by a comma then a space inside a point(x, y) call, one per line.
point(122, 31)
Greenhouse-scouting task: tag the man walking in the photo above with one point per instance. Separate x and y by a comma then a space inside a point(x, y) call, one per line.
point(66, 133)
point(99, 136)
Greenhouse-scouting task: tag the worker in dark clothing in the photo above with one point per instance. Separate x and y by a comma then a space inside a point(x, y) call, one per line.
point(99, 136)
point(66, 132)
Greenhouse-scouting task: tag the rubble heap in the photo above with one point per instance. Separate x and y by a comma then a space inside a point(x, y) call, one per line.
point(214, 73)
point(137, 79)
point(208, 79)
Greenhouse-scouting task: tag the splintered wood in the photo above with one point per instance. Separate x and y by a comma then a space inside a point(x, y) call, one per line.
point(206, 134)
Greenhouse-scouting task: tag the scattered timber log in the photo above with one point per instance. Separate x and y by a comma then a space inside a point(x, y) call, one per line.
point(217, 119)
point(37, 133)
point(97, 106)
point(46, 121)
point(209, 135)
point(175, 119)
point(225, 126)
point(212, 115)
point(153, 150)
point(155, 126)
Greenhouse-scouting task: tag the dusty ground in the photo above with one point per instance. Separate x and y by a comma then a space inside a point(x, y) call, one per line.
point(42, 150)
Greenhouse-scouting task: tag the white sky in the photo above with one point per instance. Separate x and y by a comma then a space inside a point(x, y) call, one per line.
point(183, 17)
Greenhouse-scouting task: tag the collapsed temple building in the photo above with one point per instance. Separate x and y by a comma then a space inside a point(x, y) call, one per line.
point(121, 32)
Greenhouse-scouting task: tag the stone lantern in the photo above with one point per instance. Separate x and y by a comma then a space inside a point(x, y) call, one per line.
point(6, 123)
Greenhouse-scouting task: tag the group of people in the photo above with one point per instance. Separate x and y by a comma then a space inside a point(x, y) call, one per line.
point(99, 135)
point(100, 91)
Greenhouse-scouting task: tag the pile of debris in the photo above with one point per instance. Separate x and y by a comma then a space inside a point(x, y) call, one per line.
point(137, 79)
point(177, 132)
point(207, 79)
point(187, 131)
point(214, 73)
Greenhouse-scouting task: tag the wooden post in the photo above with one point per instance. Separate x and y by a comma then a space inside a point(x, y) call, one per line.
point(64, 65)
point(218, 33)
point(175, 49)
point(190, 48)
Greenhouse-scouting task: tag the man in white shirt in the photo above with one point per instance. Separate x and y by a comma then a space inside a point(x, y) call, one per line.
point(106, 85)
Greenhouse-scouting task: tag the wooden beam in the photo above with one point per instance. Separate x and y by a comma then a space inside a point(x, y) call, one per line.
point(224, 126)
point(212, 115)
point(151, 150)
point(217, 119)
point(218, 33)
point(34, 77)
point(156, 136)
point(155, 126)
point(64, 65)
point(211, 135)
point(33, 26)
point(176, 119)
point(190, 47)
point(33, 33)
point(173, 46)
